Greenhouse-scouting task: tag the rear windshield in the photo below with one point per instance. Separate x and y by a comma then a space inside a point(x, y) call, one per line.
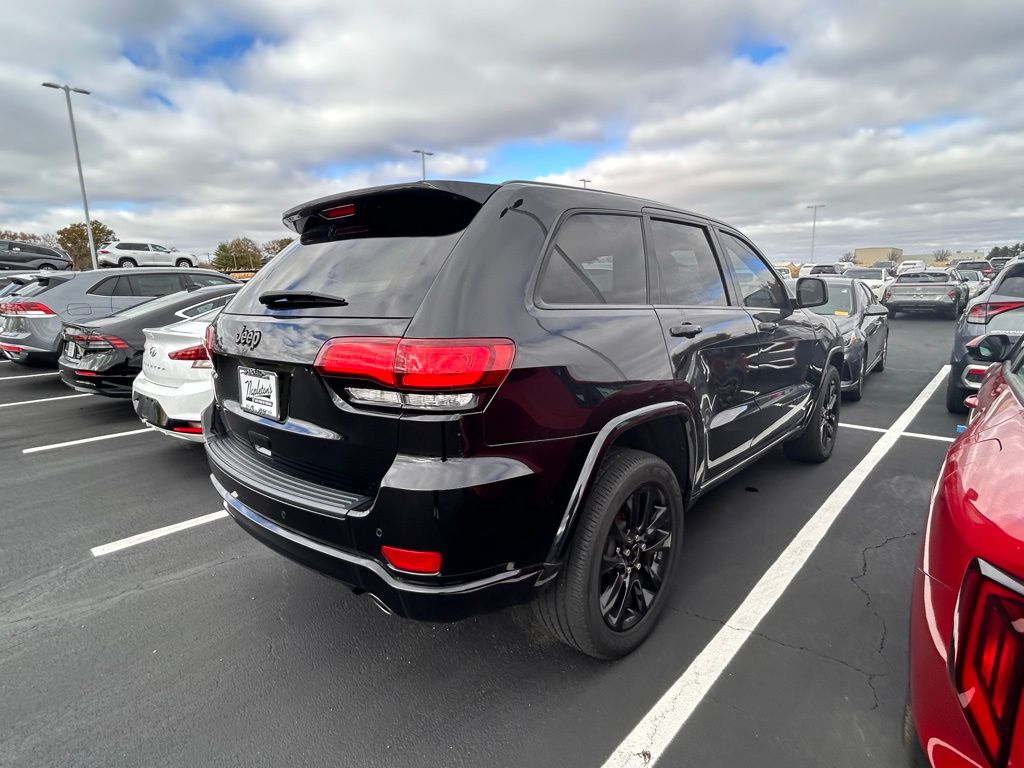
point(828, 269)
point(970, 274)
point(1011, 282)
point(865, 274)
point(923, 277)
point(377, 276)
point(973, 265)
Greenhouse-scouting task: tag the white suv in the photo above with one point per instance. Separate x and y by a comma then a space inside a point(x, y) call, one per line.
point(912, 265)
point(135, 254)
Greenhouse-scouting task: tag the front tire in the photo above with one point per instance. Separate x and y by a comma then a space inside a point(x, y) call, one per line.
point(816, 443)
point(127, 263)
point(615, 581)
point(855, 394)
point(183, 263)
point(47, 267)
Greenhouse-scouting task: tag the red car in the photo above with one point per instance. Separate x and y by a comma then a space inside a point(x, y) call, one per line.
point(967, 611)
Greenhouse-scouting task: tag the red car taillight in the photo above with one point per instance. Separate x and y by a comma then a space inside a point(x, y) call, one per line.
point(426, 372)
point(989, 660)
point(208, 340)
point(982, 313)
point(198, 355)
point(98, 342)
point(28, 308)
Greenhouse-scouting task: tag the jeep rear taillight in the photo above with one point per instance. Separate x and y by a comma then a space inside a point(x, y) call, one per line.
point(425, 374)
point(989, 661)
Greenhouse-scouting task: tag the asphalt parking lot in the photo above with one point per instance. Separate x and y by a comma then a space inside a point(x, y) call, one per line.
point(785, 644)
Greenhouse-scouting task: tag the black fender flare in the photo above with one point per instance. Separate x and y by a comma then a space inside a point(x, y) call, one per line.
point(604, 439)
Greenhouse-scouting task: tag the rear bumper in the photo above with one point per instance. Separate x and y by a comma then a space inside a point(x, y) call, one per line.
point(449, 601)
point(909, 305)
point(185, 402)
point(97, 383)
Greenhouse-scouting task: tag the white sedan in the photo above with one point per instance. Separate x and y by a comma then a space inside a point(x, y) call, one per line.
point(176, 384)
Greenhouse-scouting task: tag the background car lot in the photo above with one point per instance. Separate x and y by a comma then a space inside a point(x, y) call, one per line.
point(109, 659)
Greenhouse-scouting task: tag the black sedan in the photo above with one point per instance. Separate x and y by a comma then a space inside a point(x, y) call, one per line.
point(104, 356)
point(863, 323)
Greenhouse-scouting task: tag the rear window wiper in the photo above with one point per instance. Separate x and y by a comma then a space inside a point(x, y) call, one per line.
point(296, 299)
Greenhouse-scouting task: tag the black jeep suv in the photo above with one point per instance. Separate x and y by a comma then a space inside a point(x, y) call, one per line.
point(459, 396)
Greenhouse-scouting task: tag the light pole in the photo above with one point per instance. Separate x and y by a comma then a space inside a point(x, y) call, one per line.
point(814, 225)
point(423, 160)
point(78, 161)
point(585, 182)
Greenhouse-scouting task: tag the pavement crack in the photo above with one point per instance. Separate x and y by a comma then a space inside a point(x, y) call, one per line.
point(869, 676)
point(855, 580)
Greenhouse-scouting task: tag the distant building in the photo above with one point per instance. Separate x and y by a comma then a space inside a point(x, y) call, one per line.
point(868, 256)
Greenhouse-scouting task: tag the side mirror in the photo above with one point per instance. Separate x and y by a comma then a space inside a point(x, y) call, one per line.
point(811, 292)
point(993, 348)
point(876, 310)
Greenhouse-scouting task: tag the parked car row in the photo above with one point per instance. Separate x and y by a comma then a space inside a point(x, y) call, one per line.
point(19, 255)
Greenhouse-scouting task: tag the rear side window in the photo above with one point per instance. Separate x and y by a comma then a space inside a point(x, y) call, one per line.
point(104, 287)
point(759, 286)
point(688, 273)
point(1012, 282)
point(596, 259)
point(155, 285)
point(206, 306)
point(203, 281)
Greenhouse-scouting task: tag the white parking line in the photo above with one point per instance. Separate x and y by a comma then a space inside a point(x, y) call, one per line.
point(861, 426)
point(139, 538)
point(42, 400)
point(647, 742)
point(28, 376)
point(922, 435)
point(86, 440)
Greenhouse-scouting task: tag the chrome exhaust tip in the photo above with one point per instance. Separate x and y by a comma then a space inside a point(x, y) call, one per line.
point(380, 604)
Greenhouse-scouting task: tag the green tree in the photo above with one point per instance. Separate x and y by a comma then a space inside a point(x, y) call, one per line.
point(75, 240)
point(241, 253)
point(271, 248)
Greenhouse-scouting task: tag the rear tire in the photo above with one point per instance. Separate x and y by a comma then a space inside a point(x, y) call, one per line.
point(816, 443)
point(183, 263)
point(571, 609)
point(955, 394)
point(47, 267)
point(127, 263)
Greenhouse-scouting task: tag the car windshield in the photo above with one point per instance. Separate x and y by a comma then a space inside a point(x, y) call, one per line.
point(840, 300)
point(866, 274)
point(923, 277)
point(970, 274)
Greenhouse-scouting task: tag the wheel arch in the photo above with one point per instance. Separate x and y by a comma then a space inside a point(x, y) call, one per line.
point(665, 430)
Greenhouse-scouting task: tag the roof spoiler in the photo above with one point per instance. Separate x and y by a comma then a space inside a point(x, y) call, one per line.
point(360, 211)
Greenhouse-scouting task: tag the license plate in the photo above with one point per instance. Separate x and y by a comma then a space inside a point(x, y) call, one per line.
point(257, 392)
point(72, 351)
point(148, 410)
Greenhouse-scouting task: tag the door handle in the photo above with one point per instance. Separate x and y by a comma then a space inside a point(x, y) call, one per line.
point(688, 330)
point(767, 327)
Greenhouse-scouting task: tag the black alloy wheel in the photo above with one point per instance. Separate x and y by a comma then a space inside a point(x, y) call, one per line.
point(635, 557)
point(830, 416)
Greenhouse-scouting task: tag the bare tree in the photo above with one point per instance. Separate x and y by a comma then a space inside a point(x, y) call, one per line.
point(942, 255)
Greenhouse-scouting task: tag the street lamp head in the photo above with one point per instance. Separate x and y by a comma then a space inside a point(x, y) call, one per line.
point(51, 85)
point(81, 90)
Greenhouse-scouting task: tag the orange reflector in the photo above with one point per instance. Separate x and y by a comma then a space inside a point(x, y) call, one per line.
point(412, 560)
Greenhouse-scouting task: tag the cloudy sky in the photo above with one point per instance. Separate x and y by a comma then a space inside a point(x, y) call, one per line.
point(208, 119)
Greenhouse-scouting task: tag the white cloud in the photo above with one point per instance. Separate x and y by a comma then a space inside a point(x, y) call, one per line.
point(335, 95)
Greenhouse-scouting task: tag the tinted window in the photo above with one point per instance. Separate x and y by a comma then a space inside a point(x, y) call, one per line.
point(130, 247)
point(688, 273)
point(596, 259)
point(159, 248)
point(155, 285)
point(923, 277)
point(161, 302)
point(1012, 282)
point(202, 281)
point(104, 287)
point(759, 286)
point(378, 276)
point(206, 306)
point(824, 269)
point(865, 274)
